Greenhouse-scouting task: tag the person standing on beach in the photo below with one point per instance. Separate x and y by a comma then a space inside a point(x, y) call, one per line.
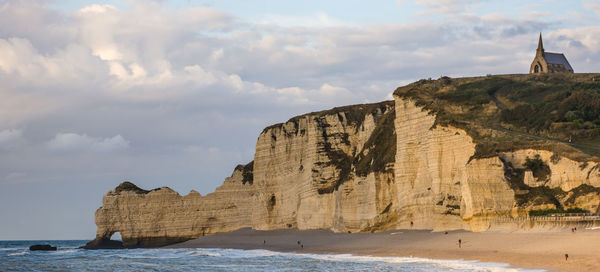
point(459, 243)
point(566, 256)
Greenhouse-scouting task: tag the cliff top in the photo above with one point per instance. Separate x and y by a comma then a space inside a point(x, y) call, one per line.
point(556, 112)
point(354, 113)
point(127, 186)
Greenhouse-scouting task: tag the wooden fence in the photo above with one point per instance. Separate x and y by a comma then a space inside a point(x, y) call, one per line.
point(559, 217)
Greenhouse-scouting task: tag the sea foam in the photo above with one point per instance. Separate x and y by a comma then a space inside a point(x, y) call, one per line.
point(449, 265)
point(16, 257)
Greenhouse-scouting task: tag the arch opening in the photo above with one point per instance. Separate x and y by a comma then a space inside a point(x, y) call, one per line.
point(116, 236)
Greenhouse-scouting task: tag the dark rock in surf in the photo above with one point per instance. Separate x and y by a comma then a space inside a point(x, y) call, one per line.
point(42, 247)
point(103, 243)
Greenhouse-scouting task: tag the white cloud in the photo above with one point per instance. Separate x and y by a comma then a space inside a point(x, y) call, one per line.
point(316, 20)
point(446, 6)
point(97, 24)
point(10, 138)
point(300, 96)
point(68, 142)
point(21, 60)
point(205, 18)
point(197, 74)
point(95, 8)
point(593, 5)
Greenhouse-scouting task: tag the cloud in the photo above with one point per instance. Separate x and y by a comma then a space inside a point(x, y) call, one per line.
point(592, 5)
point(21, 61)
point(10, 138)
point(205, 18)
point(446, 6)
point(316, 20)
point(95, 8)
point(70, 142)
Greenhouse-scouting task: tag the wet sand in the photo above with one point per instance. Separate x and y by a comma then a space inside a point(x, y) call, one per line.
point(521, 249)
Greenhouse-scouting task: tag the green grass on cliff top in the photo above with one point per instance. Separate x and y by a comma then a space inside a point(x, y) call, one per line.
point(354, 113)
point(556, 112)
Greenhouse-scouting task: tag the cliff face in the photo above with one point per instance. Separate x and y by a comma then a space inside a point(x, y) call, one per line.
point(472, 150)
point(441, 186)
point(162, 216)
point(419, 162)
point(316, 171)
point(306, 171)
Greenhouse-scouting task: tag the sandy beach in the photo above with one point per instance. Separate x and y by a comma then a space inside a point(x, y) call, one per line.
point(544, 250)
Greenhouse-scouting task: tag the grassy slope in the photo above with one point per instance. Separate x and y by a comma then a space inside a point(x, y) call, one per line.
point(509, 112)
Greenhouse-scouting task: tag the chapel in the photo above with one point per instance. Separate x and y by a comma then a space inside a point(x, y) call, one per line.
point(547, 62)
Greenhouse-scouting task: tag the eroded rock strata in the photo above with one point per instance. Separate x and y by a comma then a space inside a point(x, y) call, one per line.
point(364, 168)
point(316, 171)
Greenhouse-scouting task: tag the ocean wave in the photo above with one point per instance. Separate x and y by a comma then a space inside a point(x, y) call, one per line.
point(210, 253)
point(12, 248)
point(439, 263)
point(65, 251)
point(143, 253)
point(236, 260)
point(17, 254)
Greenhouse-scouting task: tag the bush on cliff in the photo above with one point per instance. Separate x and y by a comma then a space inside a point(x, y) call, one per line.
point(547, 212)
point(540, 170)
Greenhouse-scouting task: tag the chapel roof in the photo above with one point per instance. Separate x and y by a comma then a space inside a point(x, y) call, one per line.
point(557, 58)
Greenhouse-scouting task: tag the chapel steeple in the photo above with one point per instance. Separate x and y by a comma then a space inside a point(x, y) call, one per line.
point(540, 44)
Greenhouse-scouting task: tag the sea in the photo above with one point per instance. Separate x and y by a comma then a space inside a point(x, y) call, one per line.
point(15, 256)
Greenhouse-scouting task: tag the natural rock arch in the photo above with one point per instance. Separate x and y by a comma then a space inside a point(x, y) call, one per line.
point(116, 236)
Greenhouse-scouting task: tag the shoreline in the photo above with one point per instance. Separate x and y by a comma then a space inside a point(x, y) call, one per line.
point(526, 250)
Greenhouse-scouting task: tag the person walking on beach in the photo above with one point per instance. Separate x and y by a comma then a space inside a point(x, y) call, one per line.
point(459, 243)
point(566, 256)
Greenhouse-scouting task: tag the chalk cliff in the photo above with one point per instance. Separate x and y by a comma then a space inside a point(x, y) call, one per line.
point(323, 170)
point(423, 161)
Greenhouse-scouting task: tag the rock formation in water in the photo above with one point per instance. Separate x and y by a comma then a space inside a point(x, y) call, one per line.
point(444, 155)
point(42, 248)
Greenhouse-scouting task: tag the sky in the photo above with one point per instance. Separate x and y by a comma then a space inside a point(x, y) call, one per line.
point(175, 93)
